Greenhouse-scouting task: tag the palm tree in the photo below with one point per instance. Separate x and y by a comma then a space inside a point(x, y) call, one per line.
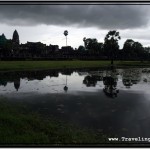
point(84, 40)
point(66, 33)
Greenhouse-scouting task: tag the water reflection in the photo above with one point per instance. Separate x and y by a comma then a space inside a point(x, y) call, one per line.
point(130, 77)
point(3, 82)
point(17, 84)
point(111, 81)
point(91, 80)
point(88, 97)
point(66, 87)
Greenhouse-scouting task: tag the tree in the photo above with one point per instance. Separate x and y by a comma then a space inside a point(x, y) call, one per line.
point(8, 48)
point(111, 44)
point(81, 48)
point(147, 53)
point(91, 45)
point(138, 50)
point(128, 48)
point(66, 33)
point(99, 49)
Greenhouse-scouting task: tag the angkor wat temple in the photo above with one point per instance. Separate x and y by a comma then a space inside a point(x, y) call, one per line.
point(11, 49)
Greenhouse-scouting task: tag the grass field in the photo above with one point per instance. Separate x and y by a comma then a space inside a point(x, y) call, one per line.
point(35, 65)
point(19, 126)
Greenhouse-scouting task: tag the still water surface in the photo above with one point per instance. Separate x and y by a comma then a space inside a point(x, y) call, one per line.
point(131, 80)
point(111, 101)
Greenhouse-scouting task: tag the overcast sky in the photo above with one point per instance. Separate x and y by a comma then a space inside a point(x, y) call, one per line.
point(46, 23)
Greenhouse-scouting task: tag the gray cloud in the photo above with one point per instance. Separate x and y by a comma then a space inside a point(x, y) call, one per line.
point(101, 16)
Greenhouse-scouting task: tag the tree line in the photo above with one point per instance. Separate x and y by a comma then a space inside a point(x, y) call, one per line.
point(91, 50)
point(131, 50)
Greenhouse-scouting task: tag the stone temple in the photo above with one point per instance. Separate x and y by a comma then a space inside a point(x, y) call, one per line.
point(15, 38)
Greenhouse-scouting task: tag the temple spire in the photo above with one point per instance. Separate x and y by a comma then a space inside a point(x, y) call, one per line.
point(15, 37)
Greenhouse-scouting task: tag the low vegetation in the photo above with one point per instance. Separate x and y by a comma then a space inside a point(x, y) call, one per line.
point(37, 65)
point(20, 126)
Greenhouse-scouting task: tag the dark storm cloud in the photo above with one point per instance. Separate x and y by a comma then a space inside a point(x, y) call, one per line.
point(102, 16)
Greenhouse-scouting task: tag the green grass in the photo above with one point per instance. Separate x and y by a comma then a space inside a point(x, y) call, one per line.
point(29, 65)
point(35, 65)
point(20, 126)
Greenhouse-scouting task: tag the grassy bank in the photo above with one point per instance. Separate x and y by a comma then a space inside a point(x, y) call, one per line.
point(19, 126)
point(35, 65)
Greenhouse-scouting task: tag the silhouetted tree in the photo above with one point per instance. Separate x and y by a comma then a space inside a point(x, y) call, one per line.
point(66, 33)
point(81, 49)
point(138, 50)
point(147, 53)
point(91, 45)
point(134, 50)
point(128, 48)
point(99, 49)
point(111, 44)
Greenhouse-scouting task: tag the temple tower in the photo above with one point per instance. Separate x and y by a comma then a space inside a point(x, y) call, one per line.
point(15, 37)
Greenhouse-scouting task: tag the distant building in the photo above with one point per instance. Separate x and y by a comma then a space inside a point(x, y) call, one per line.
point(12, 49)
point(15, 44)
point(66, 50)
point(54, 48)
point(36, 48)
point(15, 38)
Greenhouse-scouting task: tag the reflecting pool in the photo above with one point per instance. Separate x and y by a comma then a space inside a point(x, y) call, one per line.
point(112, 101)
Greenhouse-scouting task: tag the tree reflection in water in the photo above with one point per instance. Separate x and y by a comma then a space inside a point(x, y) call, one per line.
point(108, 78)
point(130, 77)
point(110, 83)
point(90, 81)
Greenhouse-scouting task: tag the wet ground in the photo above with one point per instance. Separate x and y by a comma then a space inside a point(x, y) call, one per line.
point(110, 101)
